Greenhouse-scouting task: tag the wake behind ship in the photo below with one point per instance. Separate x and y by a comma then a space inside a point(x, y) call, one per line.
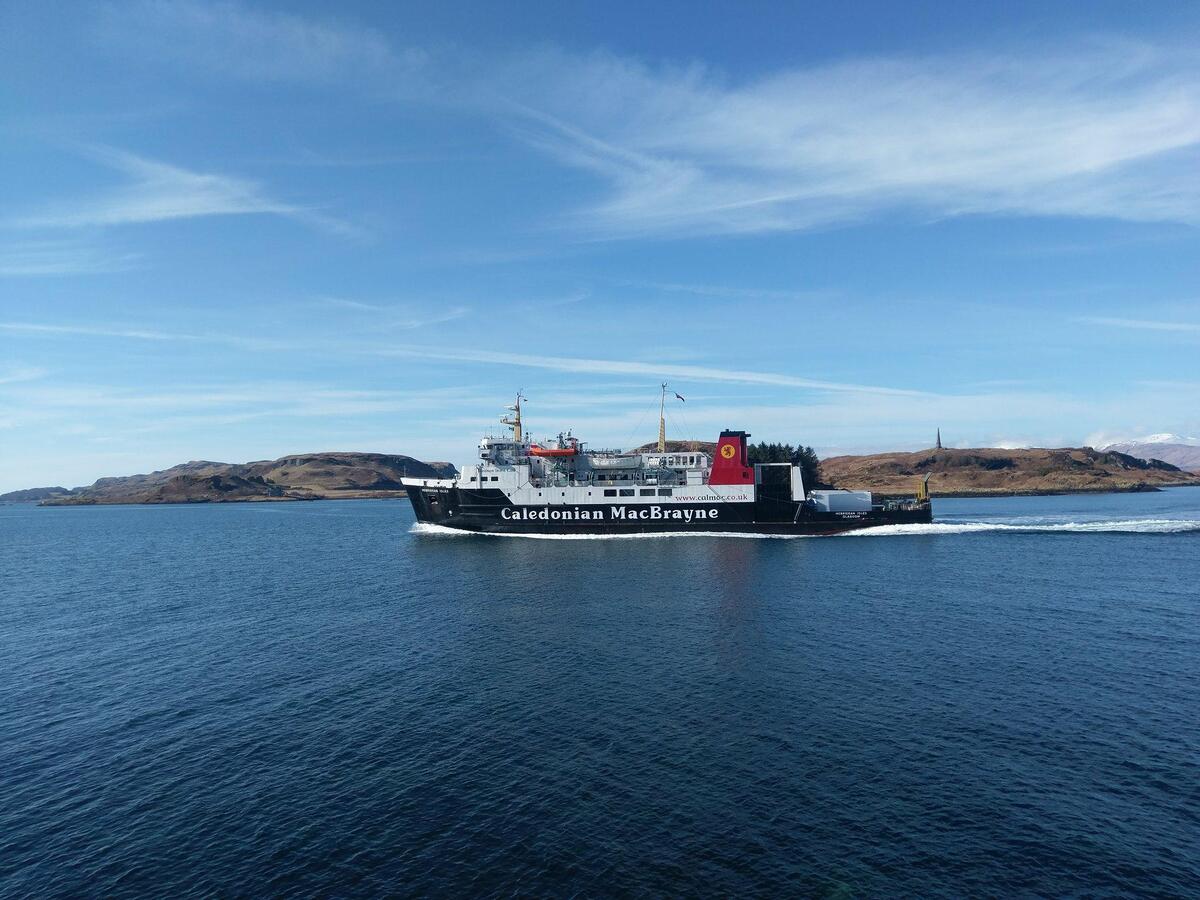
point(523, 487)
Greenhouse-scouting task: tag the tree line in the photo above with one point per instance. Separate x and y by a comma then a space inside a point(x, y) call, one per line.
point(802, 456)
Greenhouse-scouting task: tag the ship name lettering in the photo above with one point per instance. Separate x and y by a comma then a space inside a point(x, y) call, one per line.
point(545, 513)
point(658, 512)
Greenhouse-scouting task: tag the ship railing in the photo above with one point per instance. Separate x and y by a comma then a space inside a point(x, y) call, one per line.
point(654, 478)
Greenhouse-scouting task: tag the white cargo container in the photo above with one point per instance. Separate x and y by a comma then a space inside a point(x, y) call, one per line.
point(841, 501)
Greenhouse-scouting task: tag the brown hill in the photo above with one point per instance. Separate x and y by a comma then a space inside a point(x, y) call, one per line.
point(323, 473)
point(189, 488)
point(305, 476)
point(993, 472)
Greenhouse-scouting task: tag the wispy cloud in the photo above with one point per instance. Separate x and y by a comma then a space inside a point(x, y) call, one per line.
point(133, 332)
point(390, 322)
point(721, 290)
point(577, 365)
point(344, 303)
point(1103, 438)
point(306, 157)
point(410, 323)
point(541, 304)
point(1140, 324)
point(399, 317)
point(162, 408)
point(1110, 129)
point(1103, 128)
point(157, 191)
point(233, 40)
point(61, 258)
point(97, 331)
point(1171, 385)
point(586, 366)
point(18, 375)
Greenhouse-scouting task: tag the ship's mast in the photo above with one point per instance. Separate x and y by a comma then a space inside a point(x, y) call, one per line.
point(514, 421)
point(662, 420)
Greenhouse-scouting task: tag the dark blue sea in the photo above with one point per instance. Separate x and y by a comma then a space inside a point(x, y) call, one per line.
point(309, 699)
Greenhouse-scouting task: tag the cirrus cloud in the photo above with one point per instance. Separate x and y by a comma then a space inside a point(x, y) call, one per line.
point(1109, 129)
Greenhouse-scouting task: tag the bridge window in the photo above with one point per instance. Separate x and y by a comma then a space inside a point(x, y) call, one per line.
point(626, 492)
point(646, 492)
point(664, 492)
point(610, 492)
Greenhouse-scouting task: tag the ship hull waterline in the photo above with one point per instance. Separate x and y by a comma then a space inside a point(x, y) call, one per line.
point(490, 512)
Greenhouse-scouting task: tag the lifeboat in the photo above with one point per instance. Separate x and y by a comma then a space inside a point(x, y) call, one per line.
point(552, 451)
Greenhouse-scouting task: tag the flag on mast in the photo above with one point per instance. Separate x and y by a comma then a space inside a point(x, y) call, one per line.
point(680, 398)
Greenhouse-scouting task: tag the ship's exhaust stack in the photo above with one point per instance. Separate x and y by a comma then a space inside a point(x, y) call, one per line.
point(730, 462)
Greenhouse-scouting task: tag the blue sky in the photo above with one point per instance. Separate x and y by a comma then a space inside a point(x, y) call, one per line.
point(232, 231)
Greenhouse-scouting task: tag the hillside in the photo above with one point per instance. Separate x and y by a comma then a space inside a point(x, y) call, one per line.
point(988, 471)
point(993, 472)
point(305, 476)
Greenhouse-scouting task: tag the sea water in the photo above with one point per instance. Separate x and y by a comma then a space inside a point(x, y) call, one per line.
point(318, 699)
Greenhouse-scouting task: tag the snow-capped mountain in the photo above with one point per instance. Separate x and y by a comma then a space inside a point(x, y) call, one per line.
point(1172, 448)
point(1168, 438)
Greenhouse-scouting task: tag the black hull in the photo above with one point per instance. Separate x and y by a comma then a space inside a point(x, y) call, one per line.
point(491, 512)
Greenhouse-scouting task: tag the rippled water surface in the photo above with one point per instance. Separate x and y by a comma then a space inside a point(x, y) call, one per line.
point(313, 699)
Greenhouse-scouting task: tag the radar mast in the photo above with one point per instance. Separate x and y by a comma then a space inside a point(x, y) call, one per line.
point(514, 421)
point(662, 420)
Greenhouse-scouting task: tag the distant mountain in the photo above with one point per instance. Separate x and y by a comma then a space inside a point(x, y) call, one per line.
point(1167, 438)
point(43, 493)
point(1172, 448)
point(305, 476)
point(993, 472)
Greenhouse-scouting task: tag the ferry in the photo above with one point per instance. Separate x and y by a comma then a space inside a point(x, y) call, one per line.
point(519, 486)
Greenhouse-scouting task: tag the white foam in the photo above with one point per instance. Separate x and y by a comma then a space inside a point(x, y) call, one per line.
point(1115, 526)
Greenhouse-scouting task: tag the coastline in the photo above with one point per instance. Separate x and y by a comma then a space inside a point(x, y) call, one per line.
point(1045, 492)
point(986, 493)
point(980, 472)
